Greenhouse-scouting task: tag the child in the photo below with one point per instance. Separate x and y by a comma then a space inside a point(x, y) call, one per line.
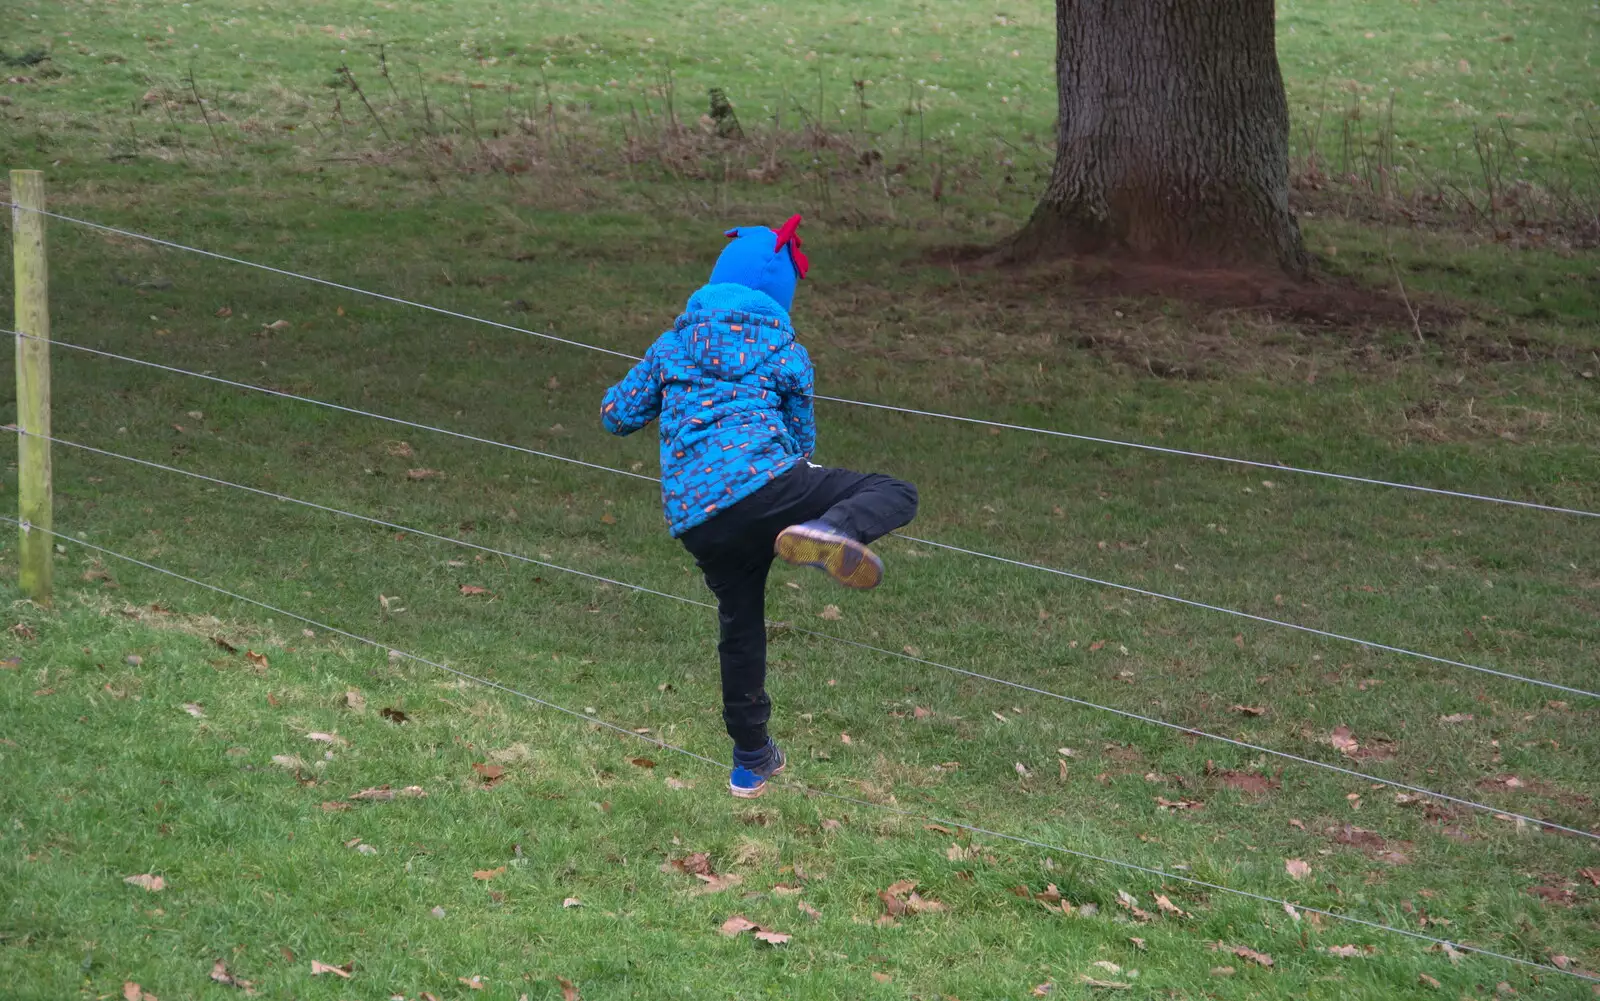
point(733, 389)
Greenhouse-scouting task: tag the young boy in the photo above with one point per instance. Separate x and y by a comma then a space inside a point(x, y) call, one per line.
point(733, 390)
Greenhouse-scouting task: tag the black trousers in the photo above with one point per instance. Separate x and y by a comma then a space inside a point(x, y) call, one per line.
point(735, 550)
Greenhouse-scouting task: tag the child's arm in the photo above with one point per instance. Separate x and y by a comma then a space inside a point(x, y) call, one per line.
point(636, 400)
point(798, 411)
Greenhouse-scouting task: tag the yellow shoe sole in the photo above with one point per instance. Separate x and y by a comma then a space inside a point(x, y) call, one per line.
point(844, 559)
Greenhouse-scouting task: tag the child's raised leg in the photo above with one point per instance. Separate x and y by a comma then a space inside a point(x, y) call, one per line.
point(841, 513)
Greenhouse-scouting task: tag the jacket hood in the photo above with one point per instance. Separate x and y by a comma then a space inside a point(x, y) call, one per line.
point(729, 330)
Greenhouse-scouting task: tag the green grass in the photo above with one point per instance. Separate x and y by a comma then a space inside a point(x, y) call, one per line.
point(114, 778)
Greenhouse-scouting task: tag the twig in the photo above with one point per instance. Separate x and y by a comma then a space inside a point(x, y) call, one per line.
point(195, 90)
point(350, 78)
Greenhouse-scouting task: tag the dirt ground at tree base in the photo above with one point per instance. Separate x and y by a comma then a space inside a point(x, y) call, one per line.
point(1322, 302)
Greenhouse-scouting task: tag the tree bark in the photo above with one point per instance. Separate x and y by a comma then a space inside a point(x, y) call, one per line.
point(1172, 139)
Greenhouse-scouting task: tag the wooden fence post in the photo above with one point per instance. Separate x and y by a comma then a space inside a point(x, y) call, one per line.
point(34, 490)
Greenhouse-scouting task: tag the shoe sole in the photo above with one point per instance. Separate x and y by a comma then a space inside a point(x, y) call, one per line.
point(844, 559)
point(755, 793)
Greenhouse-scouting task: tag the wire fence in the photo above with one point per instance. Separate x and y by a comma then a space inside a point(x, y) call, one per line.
point(1186, 453)
point(1288, 906)
point(1020, 564)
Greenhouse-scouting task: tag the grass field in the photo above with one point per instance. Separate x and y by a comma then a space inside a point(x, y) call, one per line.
point(561, 223)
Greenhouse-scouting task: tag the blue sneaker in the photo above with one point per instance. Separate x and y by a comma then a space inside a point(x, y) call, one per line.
point(752, 769)
point(818, 544)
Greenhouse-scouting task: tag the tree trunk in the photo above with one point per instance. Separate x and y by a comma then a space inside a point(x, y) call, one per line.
point(1173, 136)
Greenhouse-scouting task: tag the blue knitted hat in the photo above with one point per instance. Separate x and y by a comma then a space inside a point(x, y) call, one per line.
point(761, 259)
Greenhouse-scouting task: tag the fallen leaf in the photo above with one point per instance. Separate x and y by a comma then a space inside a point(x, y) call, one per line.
point(1042, 990)
point(325, 738)
point(145, 881)
point(491, 773)
point(696, 864)
point(1427, 981)
point(717, 883)
point(568, 992)
point(259, 660)
point(276, 325)
point(784, 890)
point(1456, 718)
point(1138, 943)
point(844, 738)
point(471, 589)
point(673, 783)
point(917, 712)
point(1249, 782)
point(832, 613)
point(1166, 906)
point(808, 910)
point(383, 794)
point(1296, 822)
point(1592, 875)
point(572, 902)
point(1162, 803)
point(737, 925)
point(641, 762)
point(1251, 710)
point(1106, 965)
point(1297, 868)
point(318, 968)
point(474, 983)
point(220, 974)
point(1244, 952)
point(355, 701)
point(489, 873)
point(335, 806)
point(882, 978)
point(829, 824)
point(1345, 951)
point(904, 886)
point(194, 710)
point(1022, 769)
point(224, 312)
point(1131, 904)
point(1222, 971)
point(1097, 645)
point(1111, 985)
point(1344, 741)
point(394, 715)
point(422, 474)
point(133, 992)
point(773, 937)
point(998, 716)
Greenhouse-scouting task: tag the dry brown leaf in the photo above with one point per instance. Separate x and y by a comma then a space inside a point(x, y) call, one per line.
point(1344, 741)
point(1244, 952)
point(568, 992)
point(882, 978)
point(1174, 805)
point(473, 589)
point(474, 983)
point(257, 660)
point(487, 874)
point(829, 824)
point(772, 937)
point(572, 902)
point(1138, 943)
point(422, 474)
point(901, 888)
point(193, 709)
point(146, 881)
point(1592, 875)
point(1042, 990)
point(220, 974)
point(1251, 710)
point(1427, 981)
point(808, 910)
point(917, 712)
point(784, 890)
point(133, 992)
point(394, 715)
point(1110, 985)
point(1297, 868)
point(717, 883)
point(1127, 901)
point(1456, 718)
point(318, 968)
point(491, 773)
point(1346, 951)
point(675, 783)
point(1249, 782)
point(1166, 906)
point(832, 613)
point(1222, 971)
point(641, 762)
point(737, 925)
point(844, 738)
point(696, 864)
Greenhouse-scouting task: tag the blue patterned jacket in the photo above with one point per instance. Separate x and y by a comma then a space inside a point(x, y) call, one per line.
point(732, 388)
